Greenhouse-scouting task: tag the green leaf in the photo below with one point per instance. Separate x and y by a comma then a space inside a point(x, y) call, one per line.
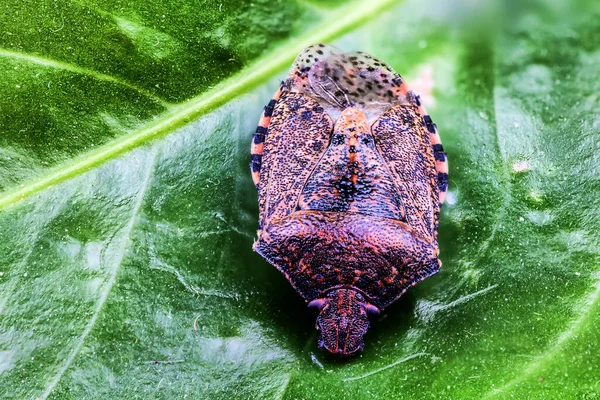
point(128, 213)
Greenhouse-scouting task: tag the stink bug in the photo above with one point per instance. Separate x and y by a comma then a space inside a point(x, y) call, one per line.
point(351, 175)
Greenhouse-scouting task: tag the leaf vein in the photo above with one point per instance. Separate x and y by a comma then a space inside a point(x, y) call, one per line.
point(378, 370)
point(111, 280)
point(47, 62)
point(584, 310)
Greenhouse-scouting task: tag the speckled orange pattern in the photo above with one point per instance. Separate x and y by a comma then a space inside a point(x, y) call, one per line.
point(362, 182)
point(351, 175)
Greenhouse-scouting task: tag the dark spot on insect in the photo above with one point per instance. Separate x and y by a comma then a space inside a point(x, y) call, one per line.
point(306, 115)
point(379, 86)
point(255, 163)
point(370, 69)
point(317, 109)
point(337, 139)
point(316, 146)
point(258, 138)
point(345, 187)
point(377, 64)
point(366, 140)
point(438, 152)
point(352, 149)
point(397, 80)
point(442, 181)
point(294, 105)
point(327, 70)
point(418, 100)
point(360, 90)
point(268, 111)
point(389, 93)
point(429, 124)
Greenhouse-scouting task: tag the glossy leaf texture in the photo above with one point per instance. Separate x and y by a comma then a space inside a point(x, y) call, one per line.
point(128, 212)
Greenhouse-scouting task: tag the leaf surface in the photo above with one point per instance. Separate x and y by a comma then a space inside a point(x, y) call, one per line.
point(129, 213)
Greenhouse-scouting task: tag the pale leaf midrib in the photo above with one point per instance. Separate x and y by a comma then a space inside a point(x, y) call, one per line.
point(338, 22)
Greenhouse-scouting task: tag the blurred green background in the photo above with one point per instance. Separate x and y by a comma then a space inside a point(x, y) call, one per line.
point(128, 213)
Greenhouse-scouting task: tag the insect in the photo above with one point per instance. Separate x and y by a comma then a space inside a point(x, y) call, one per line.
point(351, 175)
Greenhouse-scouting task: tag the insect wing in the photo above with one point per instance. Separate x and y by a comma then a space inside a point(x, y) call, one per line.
point(298, 135)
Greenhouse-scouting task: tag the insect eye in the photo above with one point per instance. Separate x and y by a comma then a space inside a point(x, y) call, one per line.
point(316, 304)
point(372, 311)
